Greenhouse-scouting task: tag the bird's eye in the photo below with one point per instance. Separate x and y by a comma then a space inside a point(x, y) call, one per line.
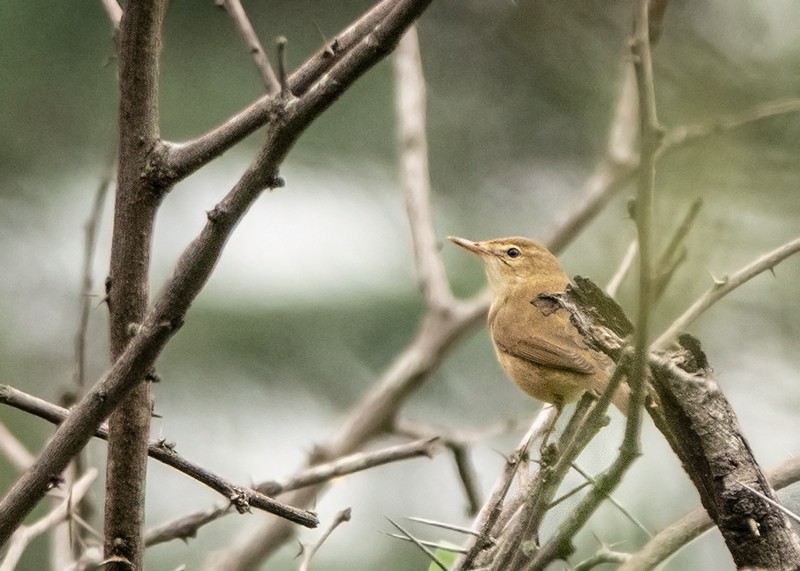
point(512, 252)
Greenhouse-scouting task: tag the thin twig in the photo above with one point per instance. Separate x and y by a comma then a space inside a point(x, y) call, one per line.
point(432, 544)
point(444, 525)
point(605, 555)
point(308, 553)
point(242, 498)
point(623, 270)
point(685, 530)
point(26, 533)
point(425, 549)
point(492, 509)
point(410, 102)
point(625, 511)
point(14, 451)
point(650, 133)
point(89, 247)
point(686, 134)
point(185, 158)
point(350, 464)
point(723, 287)
point(245, 28)
point(187, 525)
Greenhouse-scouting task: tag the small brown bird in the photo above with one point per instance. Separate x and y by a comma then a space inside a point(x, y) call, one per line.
point(542, 352)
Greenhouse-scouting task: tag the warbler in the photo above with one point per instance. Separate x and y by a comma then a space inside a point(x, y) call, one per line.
point(538, 347)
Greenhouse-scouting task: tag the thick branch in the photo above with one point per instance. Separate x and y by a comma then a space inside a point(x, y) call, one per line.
point(196, 265)
point(705, 434)
point(677, 535)
point(134, 216)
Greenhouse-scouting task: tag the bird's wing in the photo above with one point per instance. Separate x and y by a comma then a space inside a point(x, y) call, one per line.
point(545, 339)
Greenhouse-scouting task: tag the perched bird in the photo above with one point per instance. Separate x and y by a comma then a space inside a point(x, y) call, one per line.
point(540, 349)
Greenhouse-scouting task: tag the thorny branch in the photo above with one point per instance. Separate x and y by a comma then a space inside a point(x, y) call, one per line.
point(197, 263)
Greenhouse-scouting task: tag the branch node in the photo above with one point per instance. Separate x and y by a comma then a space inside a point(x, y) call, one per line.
point(239, 501)
point(216, 214)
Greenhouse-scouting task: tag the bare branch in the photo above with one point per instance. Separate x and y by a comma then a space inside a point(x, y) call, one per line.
point(26, 533)
point(623, 270)
point(684, 135)
point(489, 514)
point(136, 203)
point(242, 498)
point(185, 158)
point(723, 287)
point(650, 133)
point(410, 96)
point(424, 548)
point(357, 462)
point(197, 263)
point(309, 552)
point(679, 534)
point(245, 29)
point(14, 451)
point(89, 247)
point(185, 527)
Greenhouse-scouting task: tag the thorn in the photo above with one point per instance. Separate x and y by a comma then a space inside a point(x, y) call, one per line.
point(444, 525)
point(718, 282)
point(327, 47)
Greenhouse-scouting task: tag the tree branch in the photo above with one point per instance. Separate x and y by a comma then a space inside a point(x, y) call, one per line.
point(25, 534)
point(410, 96)
point(196, 265)
point(137, 200)
point(703, 431)
point(245, 29)
point(679, 534)
point(16, 453)
point(723, 287)
point(241, 497)
point(182, 159)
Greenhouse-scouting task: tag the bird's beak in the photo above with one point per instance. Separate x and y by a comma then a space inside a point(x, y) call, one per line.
point(469, 245)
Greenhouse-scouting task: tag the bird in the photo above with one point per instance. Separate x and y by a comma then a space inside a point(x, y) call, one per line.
point(539, 348)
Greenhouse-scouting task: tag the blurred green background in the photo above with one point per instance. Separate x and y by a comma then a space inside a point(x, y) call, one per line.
point(316, 292)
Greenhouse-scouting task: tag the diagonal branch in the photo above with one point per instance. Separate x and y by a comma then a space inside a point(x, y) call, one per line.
point(241, 497)
point(25, 534)
point(245, 28)
point(182, 159)
point(723, 287)
point(679, 534)
point(196, 265)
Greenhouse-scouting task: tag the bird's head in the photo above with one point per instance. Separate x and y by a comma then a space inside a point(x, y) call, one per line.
point(514, 262)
